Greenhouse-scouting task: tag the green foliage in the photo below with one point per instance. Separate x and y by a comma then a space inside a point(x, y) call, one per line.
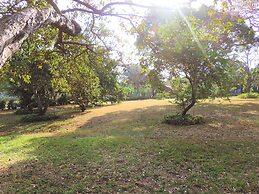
point(12, 104)
point(141, 83)
point(38, 74)
point(163, 95)
point(23, 112)
point(30, 72)
point(39, 118)
point(249, 95)
point(2, 104)
point(181, 92)
point(8, 7)
point(105, 69)
point(84, 86)
point(90, 77)
point(179, 119)
point(193, 46)
point(155, 82)
point(62, 100)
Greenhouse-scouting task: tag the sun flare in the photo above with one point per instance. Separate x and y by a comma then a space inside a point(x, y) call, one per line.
point(168, 3)
point(174, 3)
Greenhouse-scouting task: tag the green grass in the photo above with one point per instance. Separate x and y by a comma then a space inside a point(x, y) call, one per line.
point(117, 148)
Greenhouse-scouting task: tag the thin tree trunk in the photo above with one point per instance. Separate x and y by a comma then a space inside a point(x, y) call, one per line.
point(16, 28)
point(248, 83)
point(193, 99)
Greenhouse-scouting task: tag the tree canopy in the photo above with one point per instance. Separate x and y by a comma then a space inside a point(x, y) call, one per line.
point(191, 46)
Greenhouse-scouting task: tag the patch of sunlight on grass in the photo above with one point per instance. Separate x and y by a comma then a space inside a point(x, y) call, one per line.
point(251, 112)
point(14, 149)
point(215, 125)
point(139, 129)
point(110, 137)
point(118, 121)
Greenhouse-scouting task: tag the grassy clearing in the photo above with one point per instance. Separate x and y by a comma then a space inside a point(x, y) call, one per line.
point(126, 147)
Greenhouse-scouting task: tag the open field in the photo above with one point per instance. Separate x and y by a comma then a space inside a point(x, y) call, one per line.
point(127, 148)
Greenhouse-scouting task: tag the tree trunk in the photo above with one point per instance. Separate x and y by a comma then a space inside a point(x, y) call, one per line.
point(16, 28)
point(186, 109)
point(248, 83)
point(193, 99)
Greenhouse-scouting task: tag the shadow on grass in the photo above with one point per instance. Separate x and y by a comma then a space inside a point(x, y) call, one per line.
point(137, 122)
point(10, 123)
point(115, 164)
point(115, 152)
point(235, 112)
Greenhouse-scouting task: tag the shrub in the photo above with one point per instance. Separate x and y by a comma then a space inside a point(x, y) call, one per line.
point(2, 104)
point(249, 95)
point(38, 118)
point(162, 95)
point(23, 112)
point(52, 102)
point(62, 100)
point(12, 105)
point(178, 119)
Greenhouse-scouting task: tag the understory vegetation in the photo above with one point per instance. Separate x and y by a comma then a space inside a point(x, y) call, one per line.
point(249, 95)
point(187, 119)
point(126, 147)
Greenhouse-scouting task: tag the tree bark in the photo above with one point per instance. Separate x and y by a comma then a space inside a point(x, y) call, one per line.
point(16, 28)
point(248, 83)
point(193, 99)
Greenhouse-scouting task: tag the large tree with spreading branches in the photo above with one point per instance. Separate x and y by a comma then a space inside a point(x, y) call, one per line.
point(20, 18)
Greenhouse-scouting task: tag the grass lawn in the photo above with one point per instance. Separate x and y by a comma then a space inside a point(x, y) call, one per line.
point(127, 148)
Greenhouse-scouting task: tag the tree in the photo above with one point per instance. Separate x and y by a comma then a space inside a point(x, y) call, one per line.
point(105, 69)
point(135, 76)
point(248, 58)
point(192, 47)
point(83, 83)
point(247, 9)
point(18, 26)
point(20, 19)
point(155, 80)
point(30, 72)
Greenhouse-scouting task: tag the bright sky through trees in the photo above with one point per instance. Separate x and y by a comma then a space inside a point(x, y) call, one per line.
point(127, 40)
point(173, 3)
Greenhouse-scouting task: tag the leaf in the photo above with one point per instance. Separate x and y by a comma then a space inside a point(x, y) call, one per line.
point(240, 20)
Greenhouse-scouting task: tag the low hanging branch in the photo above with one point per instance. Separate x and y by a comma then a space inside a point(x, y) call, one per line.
point(16, 28)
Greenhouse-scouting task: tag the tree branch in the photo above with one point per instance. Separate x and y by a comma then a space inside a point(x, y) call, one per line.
point(87, 5)
point(54, 5)
point(16, 28)
point(109, 5)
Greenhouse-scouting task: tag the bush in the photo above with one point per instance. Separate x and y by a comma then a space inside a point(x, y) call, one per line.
point(62, 100)
point(249, 95)
point(38, 118)
point(183, 120)
point(2, 104)
point(23, 112)
point(12, 105)
point(52, 102)
point(162, 95)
